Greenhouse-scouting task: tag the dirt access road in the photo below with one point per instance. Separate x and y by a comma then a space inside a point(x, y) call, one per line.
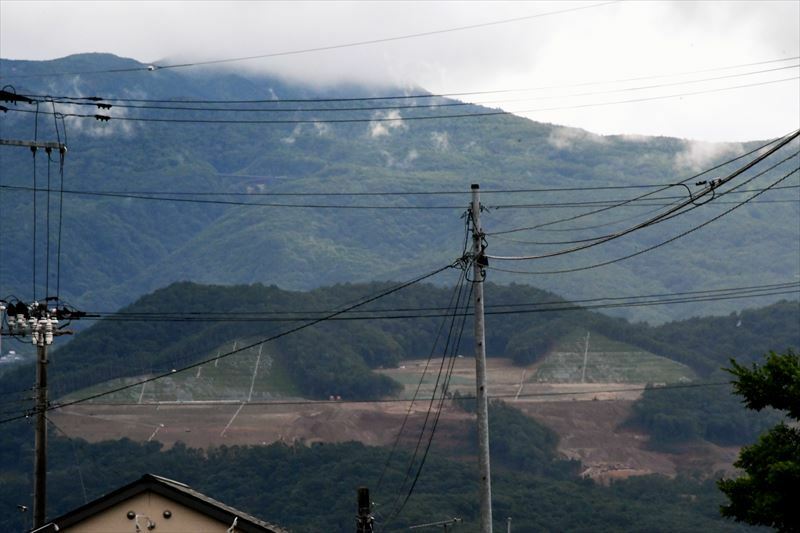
point(588, 417)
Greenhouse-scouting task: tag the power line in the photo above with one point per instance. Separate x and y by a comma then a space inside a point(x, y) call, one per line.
point(270, 338)
point(544, 226)
point(653, 201)
point(543, 394)
point(486, 114)
point(34, 221)
point(640, 197)
point(105, 314)
point(147, 196)
point(694, 206)
point(442, 395)
point(435, 105)
point(390, 193)
point(75, 457)
point(179, 100)
point(244, 348)
point(60, 210)
point(456, 291)
point(181, 197)
point(394, 193)
point(323, 48)
point(400, 193)
point(650, 248)
point(710, 188)
point(792, 288)
point(617, 221)
point(652, 98)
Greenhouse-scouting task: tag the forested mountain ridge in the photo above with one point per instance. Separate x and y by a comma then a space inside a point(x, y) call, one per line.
point(185, 323)
point(117, 248)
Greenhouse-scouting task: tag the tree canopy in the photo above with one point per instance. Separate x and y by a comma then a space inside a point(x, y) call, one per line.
point(767, 492)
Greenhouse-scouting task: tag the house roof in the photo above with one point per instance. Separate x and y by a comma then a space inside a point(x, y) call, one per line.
point(168, 488)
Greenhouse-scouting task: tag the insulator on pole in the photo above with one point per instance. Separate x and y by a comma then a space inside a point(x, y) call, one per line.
point(48, 331)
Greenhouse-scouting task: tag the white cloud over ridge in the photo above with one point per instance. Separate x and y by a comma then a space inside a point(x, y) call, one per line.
point(565, 138)
point(611, 42)
point(384, 122)
point(698, 155)
point(441, 141)
point(94, 127)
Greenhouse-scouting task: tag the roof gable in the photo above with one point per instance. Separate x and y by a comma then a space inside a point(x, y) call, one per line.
point(175, 491)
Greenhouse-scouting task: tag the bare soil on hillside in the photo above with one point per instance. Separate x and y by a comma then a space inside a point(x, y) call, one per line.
point(594, 433)
point(202, 425)
point(588, 417)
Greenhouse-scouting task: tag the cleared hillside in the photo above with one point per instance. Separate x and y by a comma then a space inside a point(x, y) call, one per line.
point(585, 358)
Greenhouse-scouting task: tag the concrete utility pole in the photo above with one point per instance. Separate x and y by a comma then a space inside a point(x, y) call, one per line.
point(364, 520)
point(40, 323)
point(482, 395)
point(42, 336)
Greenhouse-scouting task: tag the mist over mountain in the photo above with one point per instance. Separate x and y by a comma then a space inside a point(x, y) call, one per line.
point(116, 248)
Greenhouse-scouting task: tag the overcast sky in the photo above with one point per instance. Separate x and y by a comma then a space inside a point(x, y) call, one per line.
point(612, 42)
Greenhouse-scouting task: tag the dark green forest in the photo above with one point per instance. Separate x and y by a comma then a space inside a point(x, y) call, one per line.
point(337, 357)
point(152, 344)
point(713, 413)
point(312, 488)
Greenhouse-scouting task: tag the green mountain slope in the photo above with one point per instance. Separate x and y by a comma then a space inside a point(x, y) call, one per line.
point(530, 483)
point(187, 322)
point(115, 249)
point(337, 357)
point(595, 359)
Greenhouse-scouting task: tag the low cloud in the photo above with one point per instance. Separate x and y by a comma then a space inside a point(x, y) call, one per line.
point(317, 128)
point(406, 162)
point(97, 128)
point(565, 138)
point(292, 137)
point(91, 126)
point(384, 122)
point(635, 137)
point(576, 47)
point(697, 155)
point(441, 141)
point(322, 128)
point(389, 160)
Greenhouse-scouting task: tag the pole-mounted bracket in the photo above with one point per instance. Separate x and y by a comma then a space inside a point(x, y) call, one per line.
point(61, 147)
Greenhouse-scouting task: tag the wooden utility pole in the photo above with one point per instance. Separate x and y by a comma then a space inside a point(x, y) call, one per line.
point(364, 519)
point(478, 268)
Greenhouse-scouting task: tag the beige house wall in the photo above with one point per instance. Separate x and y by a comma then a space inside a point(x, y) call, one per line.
point(149, 506)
